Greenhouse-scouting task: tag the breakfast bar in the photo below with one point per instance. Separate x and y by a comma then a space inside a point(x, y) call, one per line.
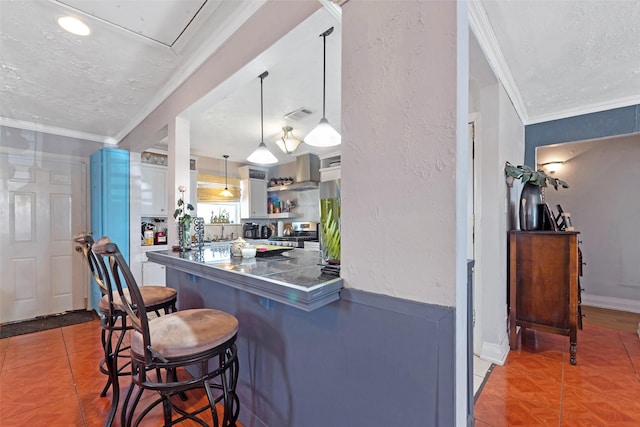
point(305, 343)
point(293, 278)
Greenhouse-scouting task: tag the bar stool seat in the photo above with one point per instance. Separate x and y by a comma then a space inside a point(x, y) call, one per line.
point(155, 298)
point(187, 333)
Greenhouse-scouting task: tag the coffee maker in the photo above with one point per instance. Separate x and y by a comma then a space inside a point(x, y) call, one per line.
point(251, 230)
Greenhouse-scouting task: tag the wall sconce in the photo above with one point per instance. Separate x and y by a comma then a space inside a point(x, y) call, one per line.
point(288, 143)
point(552, 167)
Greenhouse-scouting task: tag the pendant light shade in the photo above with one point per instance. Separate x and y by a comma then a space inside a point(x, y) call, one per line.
point(288, 143)
point(262, 155)
point(226, 192)
point(324, 135)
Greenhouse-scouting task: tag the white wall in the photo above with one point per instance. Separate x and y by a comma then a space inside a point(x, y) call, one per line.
point(500, 138)
point(604, 202)
point(399, 149)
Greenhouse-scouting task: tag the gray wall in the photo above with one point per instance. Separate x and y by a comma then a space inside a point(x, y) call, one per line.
point(366, 360)
point(609, 123)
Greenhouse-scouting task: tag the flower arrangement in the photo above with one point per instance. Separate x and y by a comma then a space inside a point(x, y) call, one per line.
point(183, 209)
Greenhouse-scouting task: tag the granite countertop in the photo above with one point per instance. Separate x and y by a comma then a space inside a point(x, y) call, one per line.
point(293, 278)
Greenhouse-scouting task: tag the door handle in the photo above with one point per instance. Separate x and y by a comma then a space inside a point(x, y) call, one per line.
point(78, 248)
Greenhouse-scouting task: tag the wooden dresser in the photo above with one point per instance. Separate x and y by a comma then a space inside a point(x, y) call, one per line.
point(543, 284)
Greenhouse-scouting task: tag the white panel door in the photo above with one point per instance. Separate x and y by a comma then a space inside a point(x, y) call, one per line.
point(42, 205)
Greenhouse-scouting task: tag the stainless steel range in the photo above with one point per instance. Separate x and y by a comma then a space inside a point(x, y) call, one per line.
point(302, 231)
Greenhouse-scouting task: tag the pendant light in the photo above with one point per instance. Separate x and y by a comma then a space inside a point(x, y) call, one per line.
point(324, 135)
point(262, 155)
point(288, 143)
point(226, 192)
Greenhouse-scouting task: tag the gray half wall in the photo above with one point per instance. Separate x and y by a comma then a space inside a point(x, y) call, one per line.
point(618, 121)
point(365, 360)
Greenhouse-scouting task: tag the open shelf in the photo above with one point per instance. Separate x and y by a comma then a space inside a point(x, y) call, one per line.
point(284, 215)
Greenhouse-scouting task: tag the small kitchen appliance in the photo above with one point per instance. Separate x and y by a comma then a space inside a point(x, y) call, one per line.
point(148, 232)
point(161, 237)
point(265, 232)
point(251, 230)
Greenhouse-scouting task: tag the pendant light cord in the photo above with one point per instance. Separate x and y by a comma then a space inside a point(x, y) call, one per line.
point(226, 185)
point(262, 76)
point(324, 68)
point(324, 73)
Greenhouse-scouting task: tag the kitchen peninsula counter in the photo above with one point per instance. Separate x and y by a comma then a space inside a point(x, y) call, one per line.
point(293, 278)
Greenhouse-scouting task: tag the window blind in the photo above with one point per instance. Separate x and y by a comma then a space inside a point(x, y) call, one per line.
point(210, 186)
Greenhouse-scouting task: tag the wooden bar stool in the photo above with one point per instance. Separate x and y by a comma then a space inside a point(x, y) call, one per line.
point(113, 319)
point(202, 340)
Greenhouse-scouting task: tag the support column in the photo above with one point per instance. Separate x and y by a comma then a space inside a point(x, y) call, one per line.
point(178, 171)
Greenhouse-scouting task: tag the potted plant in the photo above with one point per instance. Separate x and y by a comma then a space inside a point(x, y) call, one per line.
point(531, 199)
point(183, 218)
point(536, 177)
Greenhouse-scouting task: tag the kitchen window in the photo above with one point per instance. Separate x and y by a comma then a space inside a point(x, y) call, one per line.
point(212, 205)
point(209, 211)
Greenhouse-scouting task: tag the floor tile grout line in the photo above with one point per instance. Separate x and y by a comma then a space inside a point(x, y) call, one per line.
point(626, 351)
point(564, 366)
point(484, 382)
point(73, 377)
point(3, 357)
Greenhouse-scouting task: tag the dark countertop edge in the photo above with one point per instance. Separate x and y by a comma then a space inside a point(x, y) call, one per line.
point(307, 299)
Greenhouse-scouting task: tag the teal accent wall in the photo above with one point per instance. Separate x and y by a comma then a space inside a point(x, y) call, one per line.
point(109, 174)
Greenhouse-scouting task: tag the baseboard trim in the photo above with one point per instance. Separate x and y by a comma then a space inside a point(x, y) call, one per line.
point(611, 303)
point(495, 353)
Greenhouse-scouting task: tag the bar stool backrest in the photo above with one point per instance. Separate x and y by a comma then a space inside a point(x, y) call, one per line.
point(97, 266)
point(123, 279)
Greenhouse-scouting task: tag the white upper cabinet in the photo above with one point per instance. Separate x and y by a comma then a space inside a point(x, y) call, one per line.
point(153, 191)
point(253, 198)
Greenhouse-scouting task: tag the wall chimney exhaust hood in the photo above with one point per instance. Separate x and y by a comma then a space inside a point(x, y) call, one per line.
point(307, 174)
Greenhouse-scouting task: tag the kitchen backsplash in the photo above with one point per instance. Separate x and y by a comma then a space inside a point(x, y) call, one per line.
point(307, 203)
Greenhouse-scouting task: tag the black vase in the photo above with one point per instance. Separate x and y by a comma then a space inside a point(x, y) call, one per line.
point(531, 207)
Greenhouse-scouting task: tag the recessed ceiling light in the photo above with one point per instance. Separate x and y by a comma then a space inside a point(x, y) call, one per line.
point(74, 25)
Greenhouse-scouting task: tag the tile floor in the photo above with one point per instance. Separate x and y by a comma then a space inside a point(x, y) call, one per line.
point(51, 378)
point(538, 386)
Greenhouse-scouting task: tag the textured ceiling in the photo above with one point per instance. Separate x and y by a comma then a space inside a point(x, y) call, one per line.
point(569, 57)
point(98, 87)
point(164, 22)
point(556, 59)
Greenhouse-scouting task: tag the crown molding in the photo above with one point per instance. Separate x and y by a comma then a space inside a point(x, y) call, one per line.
point(53, 130)
point(585, 109)
point(481, 27)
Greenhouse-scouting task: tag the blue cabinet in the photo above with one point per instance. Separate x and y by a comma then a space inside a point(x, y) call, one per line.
point(109, 172)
